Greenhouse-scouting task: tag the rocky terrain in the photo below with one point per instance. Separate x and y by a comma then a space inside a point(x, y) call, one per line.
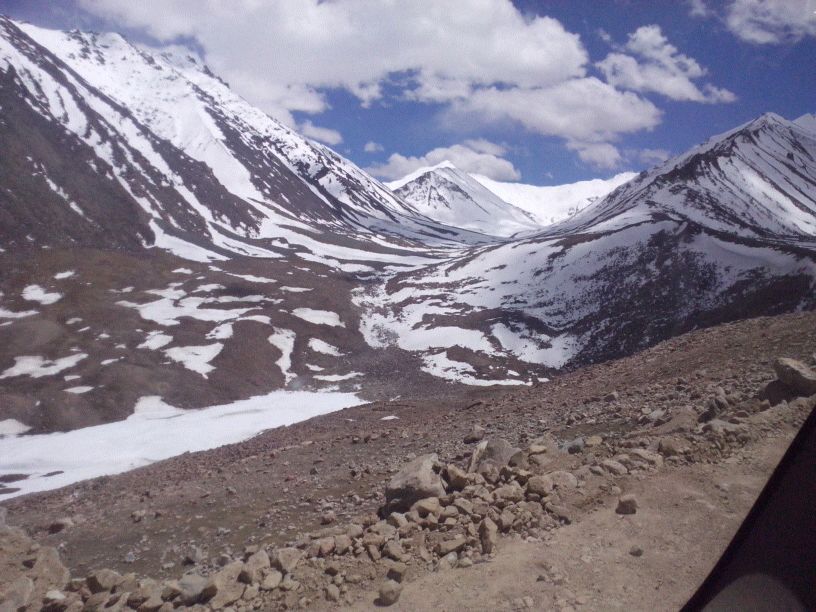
point(615, 486)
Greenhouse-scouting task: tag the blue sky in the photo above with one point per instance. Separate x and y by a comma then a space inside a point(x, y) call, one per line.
point(545, 92)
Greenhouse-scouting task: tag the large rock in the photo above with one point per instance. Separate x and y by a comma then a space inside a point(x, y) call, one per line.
point(286, 559)
point(223, 588)
point(104, 580)
point(796, 376)
point(390, 591)
point(254, 567)
point(191, 586)
point(419, 479)
point(497, 450)
point(488, 535)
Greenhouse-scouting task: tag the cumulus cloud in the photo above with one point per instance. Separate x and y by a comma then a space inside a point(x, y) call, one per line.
point(771, 21)
point(600, 155)
point(474, 156)
point(579, 109)
point(648, 62)
point(652, 157)
point(372, 147)
point(279, 52)
point(321, 134)
point(698, 8)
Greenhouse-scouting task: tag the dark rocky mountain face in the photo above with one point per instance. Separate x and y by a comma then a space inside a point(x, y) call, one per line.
point(159, 236)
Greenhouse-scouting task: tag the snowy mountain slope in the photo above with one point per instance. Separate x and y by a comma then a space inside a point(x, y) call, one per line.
point(453, 197)
point(550, 204)
point(757, 180)
point(807, 121)
point(201, 165)
point(722, 232)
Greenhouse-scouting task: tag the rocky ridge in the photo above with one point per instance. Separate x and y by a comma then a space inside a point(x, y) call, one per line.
point(436, 515)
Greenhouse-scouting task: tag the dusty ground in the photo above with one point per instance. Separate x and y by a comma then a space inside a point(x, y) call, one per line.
point(275, 488)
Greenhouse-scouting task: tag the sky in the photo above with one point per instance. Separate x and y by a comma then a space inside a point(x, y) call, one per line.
point(543, 92)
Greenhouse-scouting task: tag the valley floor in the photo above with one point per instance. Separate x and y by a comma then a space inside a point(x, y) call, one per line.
point(200, 511)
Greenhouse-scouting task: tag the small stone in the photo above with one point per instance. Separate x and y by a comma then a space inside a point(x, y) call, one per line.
point(390, 591)
point(614, 467)
point(342, 544)
point(271, 580)
point(453, 545)
point(636, 551)
point(333, 593)
point(137, 516)
point(593, 441)
point(575, 446)
point(611, 397)
point(397, 571)
point(671, 447)
point(476, 435)
point(328, 518)
point(60, 525)
point(429, 505)
point(627, 504)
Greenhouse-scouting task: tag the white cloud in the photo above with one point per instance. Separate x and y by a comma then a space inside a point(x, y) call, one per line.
point(653, 157)
point(771, 21)
point(372, 147)
point(653, 64)
point(475, 156)
point(321, 134)
point(586, 109)
point(600, 155)
point(279, 53)
point(698, 8)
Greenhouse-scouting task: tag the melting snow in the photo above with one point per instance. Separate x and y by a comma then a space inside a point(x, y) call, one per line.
point(154, 432)
point(12, 427)
point(196, 358)
point(64, 275)
point(79, 390)
point(35, 293)
point(337, 377)
point(155, 340)
point(320, 346)
point(284, 341)
point(37, 367)
point(319, 317)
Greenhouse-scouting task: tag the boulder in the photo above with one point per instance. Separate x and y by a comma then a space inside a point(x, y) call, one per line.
point(498, 450)
point(476, 434)
point(540, 485)
point(254, 567)
point(271, 580)
point(488, 535)
point(191, 586)
point(286, 559)
point(103, 580)
point(223, 588)
point(457, 478)
point(390, 591)
point(453, 545)
point(419, 479)
point(797, 376)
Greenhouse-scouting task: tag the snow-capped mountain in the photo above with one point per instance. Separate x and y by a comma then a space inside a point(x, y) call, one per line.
point(553, 203)
point(163, 242)
point(724, 231)
point(453, 197)
point(187, 164)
